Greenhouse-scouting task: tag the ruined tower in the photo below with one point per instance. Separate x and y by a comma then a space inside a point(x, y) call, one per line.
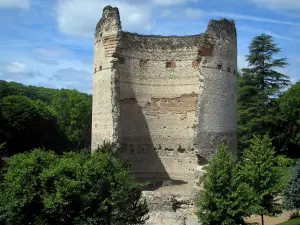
point(166, 101)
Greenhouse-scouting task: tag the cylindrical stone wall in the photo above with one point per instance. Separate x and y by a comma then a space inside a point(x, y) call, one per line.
point(166, 100)
point(217, 105)
point(105, 118)
point(159, 88)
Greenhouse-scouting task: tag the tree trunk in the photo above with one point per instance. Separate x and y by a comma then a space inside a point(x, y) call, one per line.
point(262, 219)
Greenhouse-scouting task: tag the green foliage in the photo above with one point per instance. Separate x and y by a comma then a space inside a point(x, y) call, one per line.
point(287, 135)
point(2, 153)
point(74, 112)
point(32, 92)
point(43, 188)
point(258, 170)
point(258, 87)
point(225, 199)
point(26, 124)
point(70, 109)
point(285, 174)
point(292, 191)
point(284, 161)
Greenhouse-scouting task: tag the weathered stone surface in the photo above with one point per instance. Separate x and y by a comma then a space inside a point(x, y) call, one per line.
point(166, 218)
point(170, 208)
point(166, 101)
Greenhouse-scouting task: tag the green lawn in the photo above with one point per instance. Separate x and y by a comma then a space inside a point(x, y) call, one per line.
point(291, 222)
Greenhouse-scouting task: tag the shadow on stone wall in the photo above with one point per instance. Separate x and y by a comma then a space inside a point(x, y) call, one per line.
point(136, 143)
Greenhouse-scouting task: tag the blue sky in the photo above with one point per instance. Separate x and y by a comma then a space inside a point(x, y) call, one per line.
point(50, 42)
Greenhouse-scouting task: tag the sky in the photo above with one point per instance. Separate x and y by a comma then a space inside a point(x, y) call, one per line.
point(50, 42)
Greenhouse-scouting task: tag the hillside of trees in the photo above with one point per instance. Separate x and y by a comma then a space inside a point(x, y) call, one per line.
point(37, 117)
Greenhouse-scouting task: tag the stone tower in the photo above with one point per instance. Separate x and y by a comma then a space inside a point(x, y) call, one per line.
point(166, 101)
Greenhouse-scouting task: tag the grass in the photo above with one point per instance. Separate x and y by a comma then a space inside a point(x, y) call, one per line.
point(295, 221)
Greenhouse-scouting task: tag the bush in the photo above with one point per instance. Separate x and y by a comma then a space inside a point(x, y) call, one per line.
point(41, 187)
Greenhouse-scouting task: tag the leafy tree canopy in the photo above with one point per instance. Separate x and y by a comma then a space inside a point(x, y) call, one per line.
point(287, 135)
point(258, 87)
point(258, 170)
point(74, 112)
point(26, 124)
point(41, 187)
point(225, 199)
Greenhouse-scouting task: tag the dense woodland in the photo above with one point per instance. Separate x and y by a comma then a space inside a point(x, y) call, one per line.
point(32, 117)
point(55, 181)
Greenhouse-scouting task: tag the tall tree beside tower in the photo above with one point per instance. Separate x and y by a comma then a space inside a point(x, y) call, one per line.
point(259, 87)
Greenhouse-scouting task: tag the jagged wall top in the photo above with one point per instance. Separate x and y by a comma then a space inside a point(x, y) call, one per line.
point(222, 28)
point(110, 24)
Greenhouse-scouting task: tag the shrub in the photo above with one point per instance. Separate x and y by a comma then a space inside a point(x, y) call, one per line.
point(41, 187)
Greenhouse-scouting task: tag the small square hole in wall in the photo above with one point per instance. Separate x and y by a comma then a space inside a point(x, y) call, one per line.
point(219, 66)
point(228, 69)
point(100, 68)
point(121, 60)
point(143, 63)
point(170, 64)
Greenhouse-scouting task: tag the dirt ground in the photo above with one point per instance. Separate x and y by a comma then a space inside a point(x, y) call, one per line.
point(271, 220)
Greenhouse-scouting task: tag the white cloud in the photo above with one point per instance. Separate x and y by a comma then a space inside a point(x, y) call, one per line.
point(53, 52)
point(18, 72)
point(16, 67)
point(167, 13)
point(279, 4)
point(193, 13)
point(77, 17)
point(259, 31)
point(73, 78)
point(251, 18)
point(172, 2)
point(23, 4)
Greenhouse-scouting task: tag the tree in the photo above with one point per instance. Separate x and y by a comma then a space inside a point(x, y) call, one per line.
point(292, 191)
point(27, 124)
point(259, 86)
point(74, 112)
point(258, 170)
point(2, 154)
point(225, 199)
point(32, 92)
point(41, 187)
point(287, 134)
